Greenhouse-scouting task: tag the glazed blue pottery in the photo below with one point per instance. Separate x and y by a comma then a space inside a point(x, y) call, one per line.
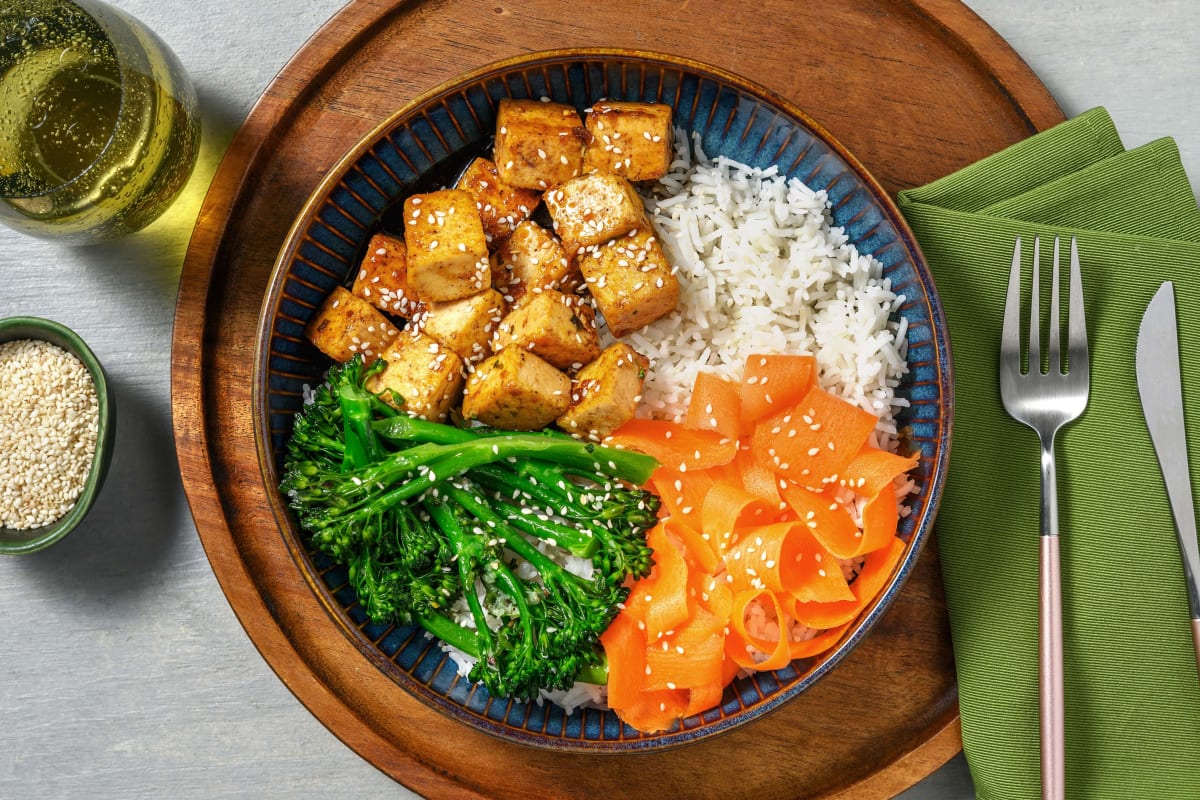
point(423, 146)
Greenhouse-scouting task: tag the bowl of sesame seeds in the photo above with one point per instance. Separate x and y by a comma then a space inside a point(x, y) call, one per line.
point(56, 425)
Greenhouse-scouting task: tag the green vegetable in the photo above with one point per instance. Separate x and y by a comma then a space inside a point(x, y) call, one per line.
point(432, 519)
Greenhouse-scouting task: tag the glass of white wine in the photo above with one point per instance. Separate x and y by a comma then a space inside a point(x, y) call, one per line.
point(99, 128)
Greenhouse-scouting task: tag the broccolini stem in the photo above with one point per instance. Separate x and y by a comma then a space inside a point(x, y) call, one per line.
point(563, 451)
point(467, 562)
point(458, 459)
point(577, 540)
point(511, 537)
point(403, 428)
point(509, 483)
point(451, 632)
point(362, 446)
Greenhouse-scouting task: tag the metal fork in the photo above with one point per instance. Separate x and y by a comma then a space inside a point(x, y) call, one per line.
point(1046, 401)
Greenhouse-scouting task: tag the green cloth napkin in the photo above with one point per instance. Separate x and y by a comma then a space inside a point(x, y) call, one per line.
point(1131, 684)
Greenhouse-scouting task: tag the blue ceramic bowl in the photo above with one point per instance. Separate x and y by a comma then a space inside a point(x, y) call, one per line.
point(426, 143)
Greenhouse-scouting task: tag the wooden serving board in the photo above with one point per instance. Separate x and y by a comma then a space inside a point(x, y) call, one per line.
point(915, 89)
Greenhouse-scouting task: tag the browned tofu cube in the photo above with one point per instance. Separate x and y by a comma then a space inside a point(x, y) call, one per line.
point(345, 326)
point(447, 251)
point(630, 139)
point(605, 394)
point(465, 325)
point(538, 145)
point(422, 377)
point(559, 328)
point(382, 278)
point(530, 260)
point(594, 208)
point(515, 390)
point(501, 207)
point(630, 280)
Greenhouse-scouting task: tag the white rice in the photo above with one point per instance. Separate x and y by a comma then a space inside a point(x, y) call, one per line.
point(763, 270)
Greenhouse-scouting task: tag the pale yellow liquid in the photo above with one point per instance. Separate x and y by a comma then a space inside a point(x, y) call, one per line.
point(98, 125)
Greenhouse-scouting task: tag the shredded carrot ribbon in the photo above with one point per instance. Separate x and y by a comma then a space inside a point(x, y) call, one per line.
point(768, 487)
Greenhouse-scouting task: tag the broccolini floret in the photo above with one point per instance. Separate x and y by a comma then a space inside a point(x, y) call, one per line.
point(432, 519)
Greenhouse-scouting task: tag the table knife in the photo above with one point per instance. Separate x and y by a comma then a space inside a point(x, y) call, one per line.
point(1161, 391)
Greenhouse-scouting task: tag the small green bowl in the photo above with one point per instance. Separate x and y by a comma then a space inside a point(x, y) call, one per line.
point(15, 542)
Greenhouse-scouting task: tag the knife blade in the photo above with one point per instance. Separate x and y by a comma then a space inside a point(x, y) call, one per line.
point(1161, 391)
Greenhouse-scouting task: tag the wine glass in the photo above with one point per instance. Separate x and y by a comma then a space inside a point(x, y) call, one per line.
point(99, 128)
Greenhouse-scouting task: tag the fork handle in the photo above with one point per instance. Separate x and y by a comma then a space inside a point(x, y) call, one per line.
point(1050, 639)
point(1050, 664)
point(1196, 639)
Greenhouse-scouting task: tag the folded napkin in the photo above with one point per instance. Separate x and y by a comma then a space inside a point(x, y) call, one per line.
point(1131, 684)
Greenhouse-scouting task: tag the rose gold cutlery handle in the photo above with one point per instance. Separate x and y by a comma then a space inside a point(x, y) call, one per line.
point(1196, 641)
point(1050, 669)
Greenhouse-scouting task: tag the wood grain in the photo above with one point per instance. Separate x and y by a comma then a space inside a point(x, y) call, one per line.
point(915, 89)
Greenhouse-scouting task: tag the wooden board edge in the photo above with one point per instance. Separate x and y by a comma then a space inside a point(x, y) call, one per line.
point(1011, 72)
point(910, 768)
point(236, 169)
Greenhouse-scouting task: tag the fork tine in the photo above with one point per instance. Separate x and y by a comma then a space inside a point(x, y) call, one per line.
point(1077, 343)
point(1035, 311)
point(1054, 361)
point(1010, 333)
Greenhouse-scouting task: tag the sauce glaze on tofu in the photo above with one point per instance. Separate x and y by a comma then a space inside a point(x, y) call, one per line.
point(504, 282)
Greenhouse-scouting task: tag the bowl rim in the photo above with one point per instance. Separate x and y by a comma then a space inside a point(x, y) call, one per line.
point(867, 618)
point(58, 334)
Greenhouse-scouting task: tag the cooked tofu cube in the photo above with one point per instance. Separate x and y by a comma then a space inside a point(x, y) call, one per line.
point(593, 209)
point(630, 280)
point(515, 390)
point(605, 394)
point(465, 325)
point(422, 378)
point(346, 325)
point(558, 328)
point(382, 278)
point(538, 145)
point(630, 139)
point(530, 260)
point(501, 207)
point(447, 251)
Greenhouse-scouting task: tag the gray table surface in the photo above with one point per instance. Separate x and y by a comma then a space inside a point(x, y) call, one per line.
point(123, 671)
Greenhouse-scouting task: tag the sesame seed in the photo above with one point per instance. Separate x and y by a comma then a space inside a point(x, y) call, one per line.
point(49, 414)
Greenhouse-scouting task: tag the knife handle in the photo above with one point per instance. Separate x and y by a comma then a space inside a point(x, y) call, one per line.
point(1050, 670)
